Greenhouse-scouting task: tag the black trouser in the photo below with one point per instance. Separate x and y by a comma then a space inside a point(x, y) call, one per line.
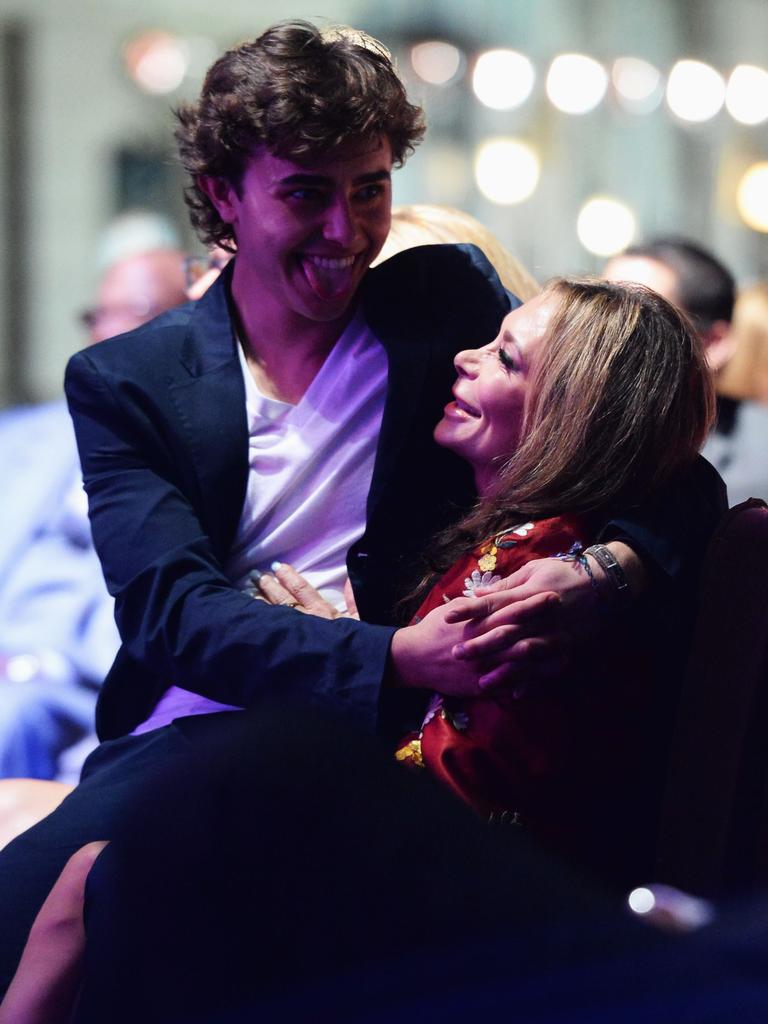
point(253, 854)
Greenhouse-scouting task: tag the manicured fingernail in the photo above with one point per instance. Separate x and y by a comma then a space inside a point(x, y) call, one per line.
point(256, 575)
point(275, 566)
point(458, 650)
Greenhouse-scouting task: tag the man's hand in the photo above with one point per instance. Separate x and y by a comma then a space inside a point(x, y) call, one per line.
point(422, 655)
point(517, 647)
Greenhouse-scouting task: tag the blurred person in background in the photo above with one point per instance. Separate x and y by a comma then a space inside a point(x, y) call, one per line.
point(736, 345)
point(693, 279)
point(738, 447)
point(57, 630)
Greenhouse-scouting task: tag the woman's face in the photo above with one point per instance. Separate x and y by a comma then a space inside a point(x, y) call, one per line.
point(484, 422)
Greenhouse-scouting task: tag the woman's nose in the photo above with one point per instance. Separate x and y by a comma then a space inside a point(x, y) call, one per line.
point(466, 361)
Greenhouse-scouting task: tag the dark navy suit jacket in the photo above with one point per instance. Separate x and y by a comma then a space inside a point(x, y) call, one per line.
point(160, 420)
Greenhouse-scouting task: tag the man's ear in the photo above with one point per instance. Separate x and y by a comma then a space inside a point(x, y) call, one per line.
point(222, 195)
point(719, 344)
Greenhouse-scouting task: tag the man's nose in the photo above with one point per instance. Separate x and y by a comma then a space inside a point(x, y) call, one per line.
point(341, 224)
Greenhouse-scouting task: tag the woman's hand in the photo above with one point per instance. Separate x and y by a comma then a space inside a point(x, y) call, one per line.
point(287, 587)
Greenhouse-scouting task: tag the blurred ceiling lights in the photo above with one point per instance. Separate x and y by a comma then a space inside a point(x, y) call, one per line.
point(605, 226)
point(437, 62)
point(503, 79)
point(752, 197)
point(576, 84)
point(637, 84)
point(746, 96)
point(157, 61)
point(695, 91)
point(507, 170)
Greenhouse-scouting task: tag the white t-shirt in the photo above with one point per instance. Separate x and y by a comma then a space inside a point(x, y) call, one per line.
point(310, 472)
point(311, 466)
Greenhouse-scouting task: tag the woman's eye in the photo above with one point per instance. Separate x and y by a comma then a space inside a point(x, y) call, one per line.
point(506, 360)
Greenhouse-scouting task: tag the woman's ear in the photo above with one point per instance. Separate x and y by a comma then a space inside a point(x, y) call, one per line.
point(719, 344)
point(222, 195)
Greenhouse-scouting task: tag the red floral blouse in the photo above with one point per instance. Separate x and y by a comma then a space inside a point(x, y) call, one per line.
point(567, 758)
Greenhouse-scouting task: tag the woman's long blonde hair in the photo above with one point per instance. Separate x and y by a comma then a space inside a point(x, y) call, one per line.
point(620, 398)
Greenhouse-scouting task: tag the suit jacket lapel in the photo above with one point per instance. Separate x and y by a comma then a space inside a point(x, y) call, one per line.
point(408, 358)
point(210, 404)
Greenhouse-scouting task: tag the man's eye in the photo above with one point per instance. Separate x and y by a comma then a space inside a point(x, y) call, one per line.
point(370, 192)
point(307, 195)
point(506, 360)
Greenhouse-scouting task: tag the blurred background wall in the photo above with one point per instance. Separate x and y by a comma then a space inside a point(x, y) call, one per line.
point(656, 121)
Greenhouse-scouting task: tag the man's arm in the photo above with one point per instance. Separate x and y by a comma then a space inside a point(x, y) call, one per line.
point(179, 616)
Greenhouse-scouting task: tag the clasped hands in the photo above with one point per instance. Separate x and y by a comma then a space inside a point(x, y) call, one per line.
point(513, 634)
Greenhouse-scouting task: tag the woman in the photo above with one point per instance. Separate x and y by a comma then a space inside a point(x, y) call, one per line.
point(592, 395)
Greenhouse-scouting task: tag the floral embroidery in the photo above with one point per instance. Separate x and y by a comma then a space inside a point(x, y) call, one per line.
point(505, 818)
point(435, 705)
point(458, 719)
point(411, 753)
point(478, 579)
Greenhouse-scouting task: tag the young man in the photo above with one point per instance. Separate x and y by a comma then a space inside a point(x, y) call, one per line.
point(286, 416)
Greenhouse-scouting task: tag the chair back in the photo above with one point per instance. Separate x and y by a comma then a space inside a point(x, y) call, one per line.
point(714, 828)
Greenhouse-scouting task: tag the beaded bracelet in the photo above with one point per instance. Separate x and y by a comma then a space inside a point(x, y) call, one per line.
point(577, 554)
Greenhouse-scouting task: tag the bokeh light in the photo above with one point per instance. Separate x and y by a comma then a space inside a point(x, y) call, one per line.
point(746, 96)
point(637, 84)
point(576, 84)
point(695, 91)
point(503, 79)
point(641, 900)
point(752, 197)
point(507, 170)
point(605, 226)
point(156, 61)
point(436, 62)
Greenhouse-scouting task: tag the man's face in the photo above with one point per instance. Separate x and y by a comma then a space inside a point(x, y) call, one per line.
point(643, 270)
point(307, 232)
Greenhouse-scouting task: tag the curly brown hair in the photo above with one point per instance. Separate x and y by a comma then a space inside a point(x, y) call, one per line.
point(301, 92)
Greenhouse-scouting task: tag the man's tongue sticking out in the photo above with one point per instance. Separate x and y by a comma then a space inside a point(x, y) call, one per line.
point(329, 277)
